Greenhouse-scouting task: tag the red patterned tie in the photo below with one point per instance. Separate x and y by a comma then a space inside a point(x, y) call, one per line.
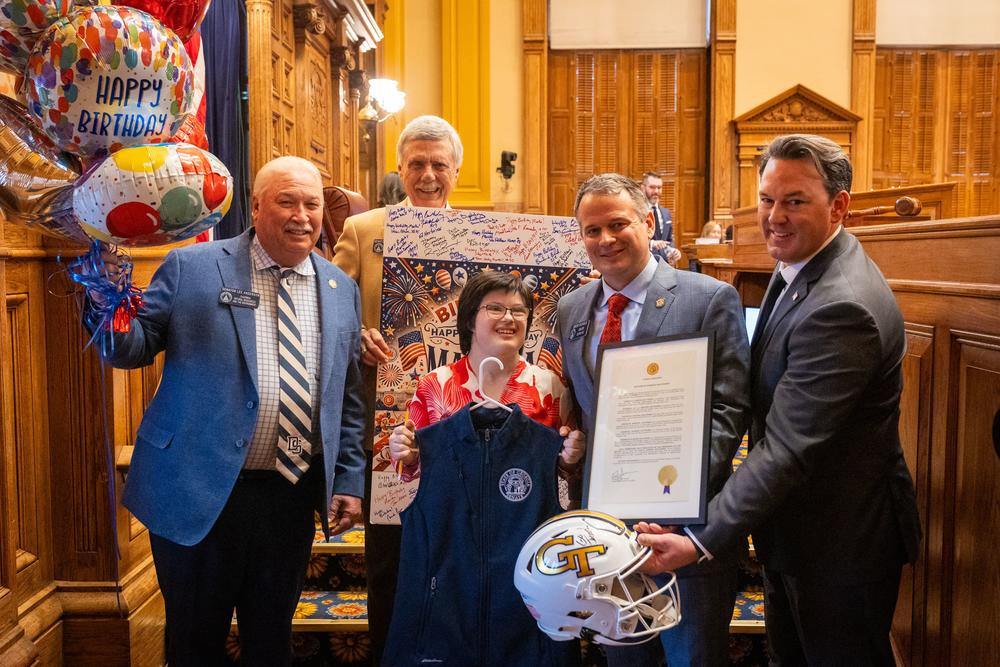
point(613, 327)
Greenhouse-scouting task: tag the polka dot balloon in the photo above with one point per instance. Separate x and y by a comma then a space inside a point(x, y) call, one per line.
point(152, 195)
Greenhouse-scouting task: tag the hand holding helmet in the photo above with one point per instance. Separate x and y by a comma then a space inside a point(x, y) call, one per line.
point(580, 575)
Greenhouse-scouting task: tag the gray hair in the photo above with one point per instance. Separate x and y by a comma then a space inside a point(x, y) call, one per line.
point(429, 128)
point(827, 156)
point(612, 184)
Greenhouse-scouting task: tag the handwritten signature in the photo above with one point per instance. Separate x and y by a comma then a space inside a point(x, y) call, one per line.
point(622, 475)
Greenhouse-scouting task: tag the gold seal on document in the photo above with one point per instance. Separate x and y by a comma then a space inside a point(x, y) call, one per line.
point(668, 475)
point(652, 369)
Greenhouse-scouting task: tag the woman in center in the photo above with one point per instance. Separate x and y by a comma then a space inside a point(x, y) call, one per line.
point(488, 477)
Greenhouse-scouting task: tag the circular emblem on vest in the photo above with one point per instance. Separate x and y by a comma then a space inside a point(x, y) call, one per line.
point(515, 485)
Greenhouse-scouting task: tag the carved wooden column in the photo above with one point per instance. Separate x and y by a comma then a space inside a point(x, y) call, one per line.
point(355, 181)
point(260, 82)
point(535, 146)
point(863, 90)
point(722, 133)
point(343, 77)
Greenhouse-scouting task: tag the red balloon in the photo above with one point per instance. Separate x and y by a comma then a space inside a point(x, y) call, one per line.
point(132, 219)
point(192, 131)
point(215, 190)
point(181, 16)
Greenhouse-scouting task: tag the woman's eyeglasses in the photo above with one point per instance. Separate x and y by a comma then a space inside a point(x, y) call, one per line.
point(496, 312)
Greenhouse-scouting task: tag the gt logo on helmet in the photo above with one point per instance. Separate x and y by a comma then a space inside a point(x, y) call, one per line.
point(569, 559)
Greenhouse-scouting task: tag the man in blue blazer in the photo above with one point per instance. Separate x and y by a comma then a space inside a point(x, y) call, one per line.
point(231, 526)
point(825, 489)
point(617, 224)
point(662, 243)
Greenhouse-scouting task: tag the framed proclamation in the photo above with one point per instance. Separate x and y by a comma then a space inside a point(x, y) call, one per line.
point(649, 443)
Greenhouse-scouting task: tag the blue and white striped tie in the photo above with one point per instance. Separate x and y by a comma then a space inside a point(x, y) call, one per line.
point(295, 403)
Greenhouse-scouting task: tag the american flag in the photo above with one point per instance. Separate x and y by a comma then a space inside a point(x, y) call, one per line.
point(551, 355)
point(411, 349)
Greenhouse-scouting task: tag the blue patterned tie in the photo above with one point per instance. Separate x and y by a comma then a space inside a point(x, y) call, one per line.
point(295, 403)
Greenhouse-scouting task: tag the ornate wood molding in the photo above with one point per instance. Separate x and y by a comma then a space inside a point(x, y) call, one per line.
point(798, 109)
point(863, 90)
point(259, 38)
point(722, 105)
point(535, 146)
point(342, 57)
point(309, 18)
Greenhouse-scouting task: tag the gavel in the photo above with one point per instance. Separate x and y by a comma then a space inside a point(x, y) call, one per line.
point(904, 208)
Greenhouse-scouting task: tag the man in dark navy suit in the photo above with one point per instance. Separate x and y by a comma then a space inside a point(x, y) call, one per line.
point(824, 490)
point(662, 244)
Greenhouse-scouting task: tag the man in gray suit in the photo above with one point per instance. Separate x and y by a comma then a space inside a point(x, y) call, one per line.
point(639, 296)
point(825, 489)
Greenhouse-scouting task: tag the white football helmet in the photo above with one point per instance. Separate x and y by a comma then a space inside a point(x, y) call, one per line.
point(578, 573)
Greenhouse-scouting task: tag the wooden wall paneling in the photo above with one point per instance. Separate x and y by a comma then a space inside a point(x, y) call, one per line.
point(15, 648)
point(863, 88)
point(25, 412)
point(975, 620)
point(283, 81)
point(101, 598)
point(916, 407)
point(906, 117)
point(953, 480)
point(76, 423)
point(534, 18)
point(562, 126)
point(692, 171)
point(629, 112)
point(936, 118)
point(723, 193)
point(316, 90)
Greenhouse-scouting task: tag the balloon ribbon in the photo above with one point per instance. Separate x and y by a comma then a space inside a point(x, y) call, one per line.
point(109, 305)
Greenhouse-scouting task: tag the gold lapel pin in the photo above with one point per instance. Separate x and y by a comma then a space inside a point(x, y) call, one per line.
point(333, 283)
point(661, 302)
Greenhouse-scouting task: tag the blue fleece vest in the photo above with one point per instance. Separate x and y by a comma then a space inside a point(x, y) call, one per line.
point(482, 492)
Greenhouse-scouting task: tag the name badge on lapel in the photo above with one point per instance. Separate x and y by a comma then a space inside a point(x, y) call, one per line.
point(579, 330)
point(241, 298)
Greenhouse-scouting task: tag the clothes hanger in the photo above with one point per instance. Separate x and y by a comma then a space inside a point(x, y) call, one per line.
point(482, 392)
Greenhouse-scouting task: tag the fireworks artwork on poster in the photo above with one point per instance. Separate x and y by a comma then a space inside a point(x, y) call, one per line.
point(429, 254)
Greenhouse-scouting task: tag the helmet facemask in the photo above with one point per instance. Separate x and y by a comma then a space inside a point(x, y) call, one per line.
point(579, 576)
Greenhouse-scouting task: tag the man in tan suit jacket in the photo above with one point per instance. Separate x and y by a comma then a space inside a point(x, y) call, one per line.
point(429, 151)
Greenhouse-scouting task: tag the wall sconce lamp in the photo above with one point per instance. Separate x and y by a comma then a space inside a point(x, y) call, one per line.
point(384, 99)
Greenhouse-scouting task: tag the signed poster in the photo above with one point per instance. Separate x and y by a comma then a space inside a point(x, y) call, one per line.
point(428, 255)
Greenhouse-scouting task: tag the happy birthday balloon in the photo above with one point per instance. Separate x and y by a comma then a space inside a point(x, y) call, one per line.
point(21, 24)
point(106, 78)
point(151, 195)
point(181, 16)
point(36, 179)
